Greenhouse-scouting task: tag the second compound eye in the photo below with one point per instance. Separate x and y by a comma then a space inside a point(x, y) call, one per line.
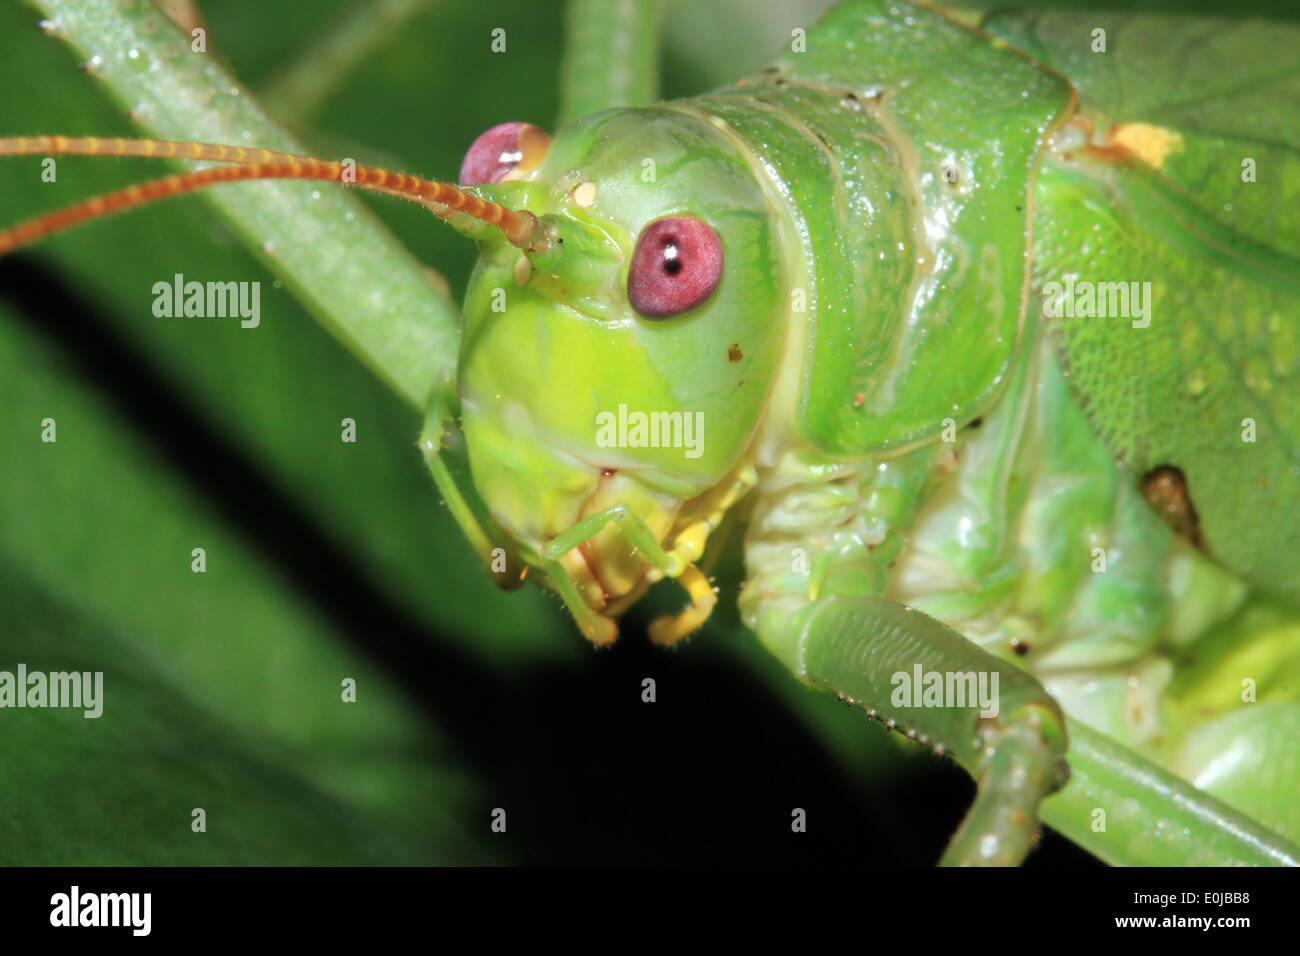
point(506, 151)
point(676, 266)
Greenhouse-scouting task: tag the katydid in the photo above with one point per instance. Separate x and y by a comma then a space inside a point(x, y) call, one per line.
point(943, 313)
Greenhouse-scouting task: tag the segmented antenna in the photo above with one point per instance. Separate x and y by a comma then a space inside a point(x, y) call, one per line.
point(521, 227)
point(148, 148)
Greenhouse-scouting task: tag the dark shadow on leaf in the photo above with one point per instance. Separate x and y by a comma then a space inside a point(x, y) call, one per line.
point(586, 771)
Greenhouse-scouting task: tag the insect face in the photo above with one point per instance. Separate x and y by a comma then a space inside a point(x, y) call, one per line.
point(604, 370)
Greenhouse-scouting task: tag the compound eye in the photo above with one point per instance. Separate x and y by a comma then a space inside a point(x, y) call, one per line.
point(506, 151)
point(676, 266)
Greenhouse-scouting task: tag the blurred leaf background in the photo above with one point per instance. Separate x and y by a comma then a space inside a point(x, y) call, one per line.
point(328, 560)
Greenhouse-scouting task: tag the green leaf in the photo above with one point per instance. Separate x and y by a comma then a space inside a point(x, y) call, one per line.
point(222, 689)
point(183, 433)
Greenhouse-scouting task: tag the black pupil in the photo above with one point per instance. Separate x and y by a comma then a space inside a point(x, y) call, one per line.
point(672, 263)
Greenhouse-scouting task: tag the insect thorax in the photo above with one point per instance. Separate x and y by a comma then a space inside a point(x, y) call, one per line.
point(911, 226)
point(1017, 530)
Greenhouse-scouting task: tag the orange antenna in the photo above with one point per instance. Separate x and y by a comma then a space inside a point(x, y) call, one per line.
point(147, 148)
point(521, 227)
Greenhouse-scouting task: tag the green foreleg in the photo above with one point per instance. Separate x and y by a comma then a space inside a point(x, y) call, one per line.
point(506, 573)
point(599, 628)
point(856, 647)
point(630, 523)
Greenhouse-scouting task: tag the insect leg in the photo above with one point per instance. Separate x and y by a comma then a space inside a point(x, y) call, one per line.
point(431, 446)
point(630, 523)
point(671, 564)
point(867, 649)
point(596, 627)
point(670, 630)
point(689, 542)
point(1152, 817)
point(1217, 783)
point(610, 52)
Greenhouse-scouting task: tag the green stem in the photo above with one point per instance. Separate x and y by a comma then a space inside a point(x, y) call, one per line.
point(327, 248)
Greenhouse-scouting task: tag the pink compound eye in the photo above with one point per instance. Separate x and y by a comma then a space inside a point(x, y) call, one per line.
point(676, 266)
point(502, 150)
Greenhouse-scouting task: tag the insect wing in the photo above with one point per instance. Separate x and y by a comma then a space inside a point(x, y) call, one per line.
point(1186, 204)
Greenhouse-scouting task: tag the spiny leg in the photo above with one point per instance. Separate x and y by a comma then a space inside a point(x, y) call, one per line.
point(596, 627)
point(630, 523)
point(857, 646)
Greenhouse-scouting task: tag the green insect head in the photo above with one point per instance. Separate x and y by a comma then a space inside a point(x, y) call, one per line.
point(620, 356)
